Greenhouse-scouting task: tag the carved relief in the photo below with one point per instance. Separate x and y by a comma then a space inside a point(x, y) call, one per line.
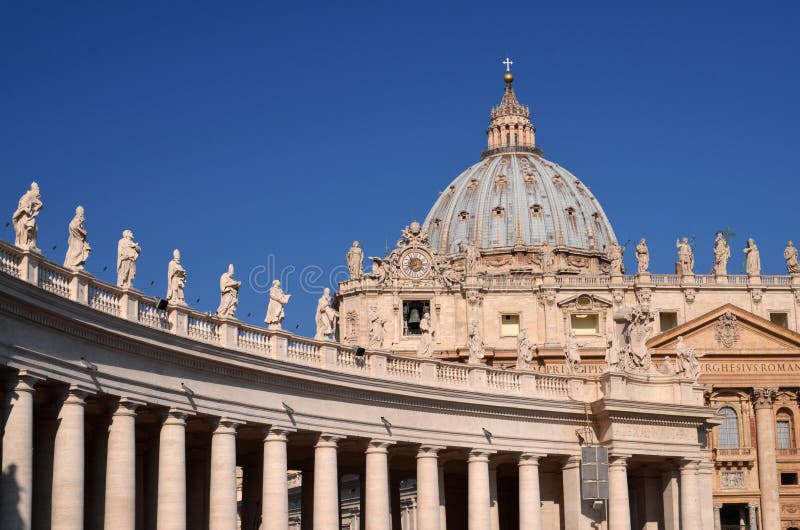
point(643, 296)
point(757, 295)
point(727, 330)
point(690, 295)
point(732, 480)
point(618, 296)
point(351, 326)
point(579, 262)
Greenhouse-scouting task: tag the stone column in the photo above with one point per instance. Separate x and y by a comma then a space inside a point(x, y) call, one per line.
point(574, 517)
point(619, 506)
point(704, 482)
point(530, 507)
point(16, 486)
point(377, 504)
point(670, 497)
point(68, 464)
point(442, 504)
point(307, 500)
point(652, 487)
point(275, 492)
point(120, 495)
point(717, 517)
point(767, 470)
point(494, 503)
point(690, 501)
point(478, 491)
point(751, 514)
point(222, 497)
point(326, 483)
point(428, 488)
point(171, 510)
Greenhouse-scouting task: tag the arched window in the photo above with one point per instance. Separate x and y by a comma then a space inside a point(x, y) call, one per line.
point(784, 429)
point(729, 430)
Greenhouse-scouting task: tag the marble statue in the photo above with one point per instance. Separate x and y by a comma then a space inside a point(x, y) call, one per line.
point(547, 258)
point(615, 256)
point(687, 358)
point(612, 352)
point(228, 294)
point(381, 270)
point(376, 328)
point(24, 218)
point(525, 350)
point(572, 353)
point(277, 299)
point(475, 342)
point(666, 367)
point(425, 347)
point(127, 253)
point(753, 260)
point(685, 256)
point(78, 248)
point(471, 256)
point(355, 259)
point(326, 316)
point(790, 255)
point(642, 256)
point(722, 254)
point(176, 280)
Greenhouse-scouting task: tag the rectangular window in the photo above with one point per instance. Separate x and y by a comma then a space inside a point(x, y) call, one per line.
point(413, 312)
point(509, 325)
point(788, 479)
point(667, 320)
point(781, 319)
point(784, 435)
point(585, 324)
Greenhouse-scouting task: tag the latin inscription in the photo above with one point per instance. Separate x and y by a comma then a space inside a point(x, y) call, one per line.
point(750, 368)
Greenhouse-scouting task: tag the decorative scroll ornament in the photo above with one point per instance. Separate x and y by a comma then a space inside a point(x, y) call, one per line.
point(764, 397)
point(727, 330)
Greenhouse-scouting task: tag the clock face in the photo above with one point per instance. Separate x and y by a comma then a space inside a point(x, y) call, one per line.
point(415, 264)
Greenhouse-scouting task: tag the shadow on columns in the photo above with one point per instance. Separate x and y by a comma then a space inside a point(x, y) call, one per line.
point(10, 489)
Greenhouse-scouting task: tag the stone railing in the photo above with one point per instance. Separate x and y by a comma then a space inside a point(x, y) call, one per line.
point(132, 305)
point(733, 454)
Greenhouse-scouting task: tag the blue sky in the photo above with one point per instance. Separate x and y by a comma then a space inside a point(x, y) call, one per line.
point(241, 131)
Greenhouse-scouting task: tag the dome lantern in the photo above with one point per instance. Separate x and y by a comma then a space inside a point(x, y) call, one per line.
point(510, 128)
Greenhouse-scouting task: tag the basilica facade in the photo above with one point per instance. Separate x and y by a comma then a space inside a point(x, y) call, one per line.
point(497, 369)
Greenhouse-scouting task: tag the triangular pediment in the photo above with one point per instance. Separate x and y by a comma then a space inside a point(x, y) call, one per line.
point(585, 301)
point(730, 330)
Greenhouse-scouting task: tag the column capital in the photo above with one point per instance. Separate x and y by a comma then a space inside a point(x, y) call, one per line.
point(429, 451)
point(327, 439)
point(480, 455)
point(225, 426)
point(763, 397)
point(125, 407)
point(24, 381)
point(689, 464)
point(76, 395)
point(618, 460)
point(717, 507)
point(530, 459)
point(752, 505)
point(277, 433)
point(571, 461)
point(378, 446)
point(175, 416)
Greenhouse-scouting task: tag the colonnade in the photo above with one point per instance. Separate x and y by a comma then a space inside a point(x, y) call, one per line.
point(320, 491)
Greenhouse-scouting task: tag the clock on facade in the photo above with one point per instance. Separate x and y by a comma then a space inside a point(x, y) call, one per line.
point(415, 264)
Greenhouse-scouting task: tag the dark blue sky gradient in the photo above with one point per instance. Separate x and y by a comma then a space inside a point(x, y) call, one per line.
point(239, 130)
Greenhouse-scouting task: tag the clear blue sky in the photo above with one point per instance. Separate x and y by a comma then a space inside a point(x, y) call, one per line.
point(239, 130)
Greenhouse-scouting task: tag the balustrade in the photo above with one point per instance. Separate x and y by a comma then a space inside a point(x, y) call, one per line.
point(54, 279)
point(10, 261)
point(104, 299)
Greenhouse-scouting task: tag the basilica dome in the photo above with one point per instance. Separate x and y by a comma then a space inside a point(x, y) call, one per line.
point(515, 198)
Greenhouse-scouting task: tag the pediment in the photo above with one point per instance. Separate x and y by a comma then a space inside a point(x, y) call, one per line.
point(585, 301)
point(732, 330)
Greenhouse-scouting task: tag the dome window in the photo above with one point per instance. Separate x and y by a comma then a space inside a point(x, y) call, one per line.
point(571, 217)
point(596, 217)
point(463, 216)
point(536, 210)
point(437, 222)
point(557, 180)
point(499, 211)
point(472, 186)
point(570, 212)
point(530, 177)
point(500, 181)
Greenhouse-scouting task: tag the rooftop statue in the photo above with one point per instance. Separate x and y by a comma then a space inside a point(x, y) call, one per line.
point(526, 350)
point(78, 248)
point(572, 353)
point(475, 343)
point(722, 254)
point(176, 280)
point(325, 317)
point(471, 256)
point(790, 255)
point(642, 256)
point(381, 270)
point(687, 357)
point(615, 253)
point(425, 347)
point(277, 299)
point(24, 218)
point(127, 253)
point(753, 261)
point(685, 256)
point(355, 259)
point(376, 328)
point(228, 294)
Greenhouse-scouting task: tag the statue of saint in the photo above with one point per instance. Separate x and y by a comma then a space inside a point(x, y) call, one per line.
point(642, 256)
point(525, 350)
point(666, 367)
point(277, 299)
point(78, 248)
point(753, 260)
point(376, 328)
point(425, 347)
point(685, 256)
point(722, 254)
point(572, 353)
point(24, 218)
point(790, 255)
point(612, 352)
point(687, 358)
point(615, 256)
point(381, 270)
point(228, 294)
point(127, 253)
point(475, 343)
point(471, 256)
point(176, 280)
point(547, 258)
point(355, 258)
point(326, 316)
